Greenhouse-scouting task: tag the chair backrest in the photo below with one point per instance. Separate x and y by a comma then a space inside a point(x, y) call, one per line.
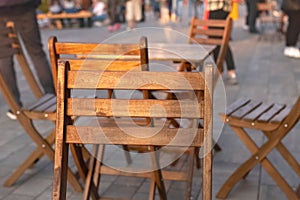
point(213, 32)
point(95, 56)
point(197, 108)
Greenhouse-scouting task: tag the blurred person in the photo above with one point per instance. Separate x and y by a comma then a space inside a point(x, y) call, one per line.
point(55, 7)
point(156, 9)
point(99, 10)
point(133, 13)
point(252, 14)
point(178, 10)
point(292, 10)
point(195, 8)
point(72, 6)
point(23, 14)
point(220, 10)
point(114, 11)
point(170, 8)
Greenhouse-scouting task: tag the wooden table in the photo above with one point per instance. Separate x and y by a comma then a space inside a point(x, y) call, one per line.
point(180, 52)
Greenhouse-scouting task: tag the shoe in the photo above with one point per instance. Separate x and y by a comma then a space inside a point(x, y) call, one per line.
point(232, 79)
point(98, 24)
point(246, 28)
point(110, 28)
point(11, 115)
point(117, 26)
point(292, 52)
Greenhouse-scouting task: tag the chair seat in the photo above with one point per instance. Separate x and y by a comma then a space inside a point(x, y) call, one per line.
point(249, 113)
point(43, 108)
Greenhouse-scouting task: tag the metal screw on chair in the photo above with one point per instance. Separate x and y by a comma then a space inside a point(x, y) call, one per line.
point(252, 124)
point(256, 157)
point(227, 119)
point(18, 112)
point(285, 125)
point(46, 115)
point(43, 146)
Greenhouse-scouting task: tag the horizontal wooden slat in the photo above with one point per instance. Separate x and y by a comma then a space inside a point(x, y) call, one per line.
point(137, 136)
point(246, 109)
point(109, 65)
point(93, 48)
point(134, 108)
point(282, 115)
point(206, 41)
point(211, 23)
point(236, 105)
point(167, 175)
point(136, 80)
point(43, 103)
point(257, 112)
point(210, 32)
point(267, 116)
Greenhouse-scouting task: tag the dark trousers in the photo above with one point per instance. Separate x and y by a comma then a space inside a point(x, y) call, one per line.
point(251, 14)
point(220, 14)
point(293, 29)
point(26, 25)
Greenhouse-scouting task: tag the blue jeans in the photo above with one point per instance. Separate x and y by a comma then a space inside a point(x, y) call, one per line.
point(100, 18)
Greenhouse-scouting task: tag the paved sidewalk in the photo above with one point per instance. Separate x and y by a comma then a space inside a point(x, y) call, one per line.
point(263, 73)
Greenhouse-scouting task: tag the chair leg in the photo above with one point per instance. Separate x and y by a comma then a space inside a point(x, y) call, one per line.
point(290, 159)
point(190, 172)
point(79, 160)
point(157, 174)
point(23, 167)
point(152, 188)
point(258, 156)
point(90, 187)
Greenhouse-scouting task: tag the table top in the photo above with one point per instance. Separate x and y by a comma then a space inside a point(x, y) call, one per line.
point(178, 52)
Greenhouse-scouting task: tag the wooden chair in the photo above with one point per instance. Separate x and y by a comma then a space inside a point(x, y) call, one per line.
point(275, 121)
point(270, 20)
point(197, 108)
point(43, 108)
point(210, 32)
point(109, 57)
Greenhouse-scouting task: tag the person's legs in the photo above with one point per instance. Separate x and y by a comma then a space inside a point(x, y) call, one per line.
point(220, 14)
point(293, 29)
point(292, 35)
point(252, 16)
point(179, 5)
point(28, 28)
point(247, 14)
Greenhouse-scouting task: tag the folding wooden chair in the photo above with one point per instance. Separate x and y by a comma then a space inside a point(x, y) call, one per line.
point(109, 57)
point(43, 108)
point(275, 121)
point(210, 32)
point(118, 110)
point(95, 56)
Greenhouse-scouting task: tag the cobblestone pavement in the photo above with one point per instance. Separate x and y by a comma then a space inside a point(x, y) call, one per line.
point(263, 73)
